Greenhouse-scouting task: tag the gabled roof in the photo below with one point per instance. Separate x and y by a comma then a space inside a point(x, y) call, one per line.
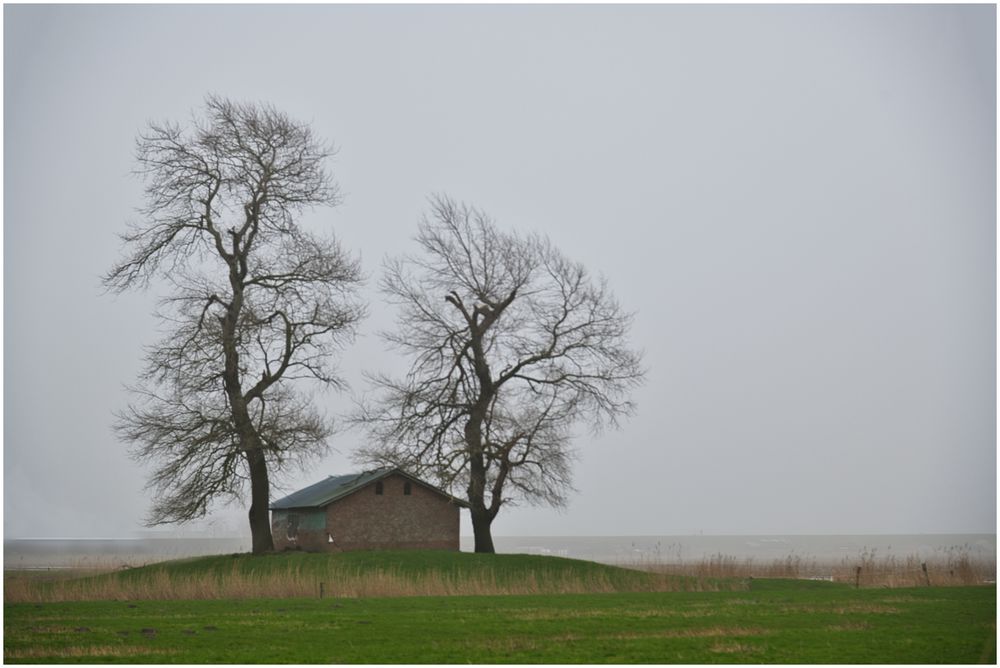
point(332, 488)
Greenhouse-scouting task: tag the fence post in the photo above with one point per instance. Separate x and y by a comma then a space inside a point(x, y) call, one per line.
point(321, 584)
point(857, 578)
point(927, 577)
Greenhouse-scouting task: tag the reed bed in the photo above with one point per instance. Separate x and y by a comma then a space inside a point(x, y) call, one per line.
point(293, 583)
point(951, 569)
point(725, 566)
point(956, 568)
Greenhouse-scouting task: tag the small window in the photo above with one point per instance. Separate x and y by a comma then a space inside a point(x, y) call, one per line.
point(378, 488)
point(407, 488)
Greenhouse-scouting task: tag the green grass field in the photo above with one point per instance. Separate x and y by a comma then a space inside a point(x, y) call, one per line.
point(763, 621)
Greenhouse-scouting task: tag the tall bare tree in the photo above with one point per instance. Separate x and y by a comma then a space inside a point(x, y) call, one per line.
point(255, 305)
point(510, 345)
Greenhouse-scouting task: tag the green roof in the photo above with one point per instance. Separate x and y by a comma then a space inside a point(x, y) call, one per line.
point(330, 489)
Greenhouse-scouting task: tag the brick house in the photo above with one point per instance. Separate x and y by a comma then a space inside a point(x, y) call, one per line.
point(386, 509)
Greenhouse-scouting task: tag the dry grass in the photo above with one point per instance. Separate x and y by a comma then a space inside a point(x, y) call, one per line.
point(954, 568)
point(570, 613)
point(290, 583)
point(712, 632)
point(733, 648)
point(849, 609)
point(724, 566)
point(82, 652)
point(521, 643)
point(850, 626)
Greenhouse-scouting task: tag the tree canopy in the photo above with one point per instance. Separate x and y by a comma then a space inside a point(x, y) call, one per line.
point(510, 346)
point(254, 303)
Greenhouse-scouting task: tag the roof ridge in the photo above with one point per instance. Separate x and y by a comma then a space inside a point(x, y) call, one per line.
point(335, 487)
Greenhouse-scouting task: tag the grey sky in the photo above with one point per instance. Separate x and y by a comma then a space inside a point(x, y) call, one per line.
point(798, 201)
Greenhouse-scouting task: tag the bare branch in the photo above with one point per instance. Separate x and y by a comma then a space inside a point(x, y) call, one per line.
point(256, 303)
point(510, 345)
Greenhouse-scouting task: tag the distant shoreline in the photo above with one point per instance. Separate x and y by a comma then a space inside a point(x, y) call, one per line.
point(766, 536)
point(59, 553)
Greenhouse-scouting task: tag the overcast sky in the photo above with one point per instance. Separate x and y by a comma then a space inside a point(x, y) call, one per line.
point(799, 202)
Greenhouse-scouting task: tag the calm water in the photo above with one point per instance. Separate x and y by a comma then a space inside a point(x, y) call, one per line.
point(628, 550)
point(762, 549)
point(41, 553)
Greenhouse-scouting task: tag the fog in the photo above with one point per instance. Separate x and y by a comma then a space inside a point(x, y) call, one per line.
point(798, 202)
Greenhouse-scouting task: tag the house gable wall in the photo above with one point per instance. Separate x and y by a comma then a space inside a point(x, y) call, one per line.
point(299, 528)
point(365, 520)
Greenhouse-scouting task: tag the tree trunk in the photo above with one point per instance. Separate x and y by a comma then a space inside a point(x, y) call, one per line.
point(260, 487)
point(481, 522)
point(482, 518)
point(260, 493)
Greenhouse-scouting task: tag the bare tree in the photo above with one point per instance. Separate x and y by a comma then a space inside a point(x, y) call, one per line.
point(511, 345)
point(256, 304)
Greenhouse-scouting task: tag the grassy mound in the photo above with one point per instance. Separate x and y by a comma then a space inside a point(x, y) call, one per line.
point(356, 574)
point(505, 567)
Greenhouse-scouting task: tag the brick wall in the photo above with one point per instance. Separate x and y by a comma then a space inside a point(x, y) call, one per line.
point(365, 520)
